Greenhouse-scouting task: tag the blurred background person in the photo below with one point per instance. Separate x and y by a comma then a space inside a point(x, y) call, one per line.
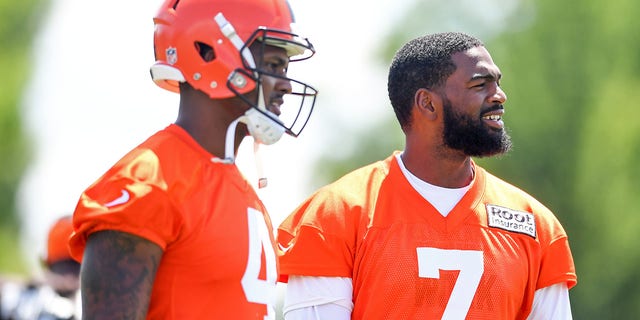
point(55, 296)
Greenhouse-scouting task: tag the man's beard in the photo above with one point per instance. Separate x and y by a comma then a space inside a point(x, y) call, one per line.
point(472, 136)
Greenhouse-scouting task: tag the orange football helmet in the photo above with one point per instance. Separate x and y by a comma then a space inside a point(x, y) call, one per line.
point(206, 43)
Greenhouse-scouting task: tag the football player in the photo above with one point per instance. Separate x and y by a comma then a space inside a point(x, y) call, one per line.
point(173, 230)
point(427, 233)
point(55, 297)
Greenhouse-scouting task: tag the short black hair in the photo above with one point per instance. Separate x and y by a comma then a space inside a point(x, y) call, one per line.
point(424, 62)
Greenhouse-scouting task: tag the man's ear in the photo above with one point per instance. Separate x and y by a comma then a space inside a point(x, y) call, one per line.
point(423, 100)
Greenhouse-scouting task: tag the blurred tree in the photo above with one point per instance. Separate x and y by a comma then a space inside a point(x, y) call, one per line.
point(573, 70)
point(18, 22)
point(569, 71)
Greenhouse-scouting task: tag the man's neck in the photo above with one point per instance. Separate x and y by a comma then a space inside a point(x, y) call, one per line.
point(446, 172)
point(207, 124)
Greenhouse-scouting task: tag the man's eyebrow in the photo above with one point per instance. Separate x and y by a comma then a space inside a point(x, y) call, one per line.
point(486, 76)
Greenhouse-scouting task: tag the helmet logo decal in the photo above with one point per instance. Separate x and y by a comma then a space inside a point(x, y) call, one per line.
point(172, 55)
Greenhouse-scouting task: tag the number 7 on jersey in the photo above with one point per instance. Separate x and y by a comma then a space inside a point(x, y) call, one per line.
point(470, 263)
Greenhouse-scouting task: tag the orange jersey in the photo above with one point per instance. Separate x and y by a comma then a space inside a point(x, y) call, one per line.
point(484, 260)
point(219, 257)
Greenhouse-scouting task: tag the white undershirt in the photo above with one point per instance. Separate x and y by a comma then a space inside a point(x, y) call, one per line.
point(443, 199)
point(309, 298)
point(319, 298)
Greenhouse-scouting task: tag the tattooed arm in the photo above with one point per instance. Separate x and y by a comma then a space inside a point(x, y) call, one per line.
point(118, 270)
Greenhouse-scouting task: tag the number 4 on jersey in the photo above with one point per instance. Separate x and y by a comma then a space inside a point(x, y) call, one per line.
point(255, 289)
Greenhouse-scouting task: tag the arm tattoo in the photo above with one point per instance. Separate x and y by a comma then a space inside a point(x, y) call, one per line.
point(118, 271)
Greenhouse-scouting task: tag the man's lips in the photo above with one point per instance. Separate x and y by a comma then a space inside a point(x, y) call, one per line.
point(494, 118)
point(274, 105)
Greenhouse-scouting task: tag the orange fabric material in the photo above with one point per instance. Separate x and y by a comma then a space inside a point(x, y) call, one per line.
point(373, 227)
point(58, 240)
point(198, 211)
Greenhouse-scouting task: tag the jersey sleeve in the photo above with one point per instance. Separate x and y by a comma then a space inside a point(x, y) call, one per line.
point(556, 261)
point(557, 265)
point(321, 237)
point(312, 240)
point(130, 198)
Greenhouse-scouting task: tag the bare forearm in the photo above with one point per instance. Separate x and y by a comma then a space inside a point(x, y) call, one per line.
point(117, 276)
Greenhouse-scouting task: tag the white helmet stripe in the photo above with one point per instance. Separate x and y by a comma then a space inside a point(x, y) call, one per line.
point(230, 32)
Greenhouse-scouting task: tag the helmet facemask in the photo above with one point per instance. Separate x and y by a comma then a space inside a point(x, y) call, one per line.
point(264, 125)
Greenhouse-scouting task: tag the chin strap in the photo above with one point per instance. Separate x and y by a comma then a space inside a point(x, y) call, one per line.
point(229, 152)
point(262, 179)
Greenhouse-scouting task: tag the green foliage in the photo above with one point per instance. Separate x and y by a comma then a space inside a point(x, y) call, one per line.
point(579, 65)
point(349, 155)
point(572, 76)
point(10, 253)
point(607, 199)
point(18, 22)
